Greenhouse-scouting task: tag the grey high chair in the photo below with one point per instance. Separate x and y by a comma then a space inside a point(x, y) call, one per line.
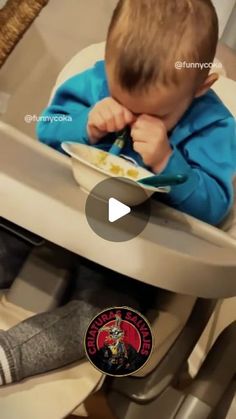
point(192, 264)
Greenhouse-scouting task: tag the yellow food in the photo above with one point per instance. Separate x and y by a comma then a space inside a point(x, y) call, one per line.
point(101, 160)
point(132, 173)
point(116, 170)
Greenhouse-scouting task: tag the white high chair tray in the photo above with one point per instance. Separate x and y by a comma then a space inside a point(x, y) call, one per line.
point(175, 251)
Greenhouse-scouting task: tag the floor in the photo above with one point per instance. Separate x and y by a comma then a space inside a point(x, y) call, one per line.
point(96, 408)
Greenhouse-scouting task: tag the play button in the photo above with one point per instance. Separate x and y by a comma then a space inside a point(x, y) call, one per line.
point(117, 210)
point(113, 218)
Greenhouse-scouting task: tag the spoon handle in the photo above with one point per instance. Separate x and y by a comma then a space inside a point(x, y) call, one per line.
point(119, 143)
point(164, 180)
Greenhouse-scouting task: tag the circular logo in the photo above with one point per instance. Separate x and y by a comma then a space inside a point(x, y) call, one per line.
point(118, 341)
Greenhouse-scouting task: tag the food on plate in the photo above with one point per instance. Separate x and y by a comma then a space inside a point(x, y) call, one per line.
point(133, 173)
point(102, 161)
point(115, 169)
point(101, 158)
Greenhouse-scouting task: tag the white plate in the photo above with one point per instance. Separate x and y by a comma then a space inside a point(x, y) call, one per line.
point(91, 166)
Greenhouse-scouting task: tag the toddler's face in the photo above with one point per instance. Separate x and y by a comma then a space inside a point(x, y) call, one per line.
point(166, 103)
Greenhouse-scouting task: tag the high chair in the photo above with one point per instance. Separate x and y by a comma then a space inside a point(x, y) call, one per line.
point(192, 264)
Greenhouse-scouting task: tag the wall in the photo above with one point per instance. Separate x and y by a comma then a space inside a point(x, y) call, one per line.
point(224, 9)
point(62, 29)
point(229, 35)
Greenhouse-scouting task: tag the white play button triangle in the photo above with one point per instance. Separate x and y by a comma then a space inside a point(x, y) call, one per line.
point(117, 210)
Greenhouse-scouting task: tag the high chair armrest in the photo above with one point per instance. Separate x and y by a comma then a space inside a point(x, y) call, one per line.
point(174, 252)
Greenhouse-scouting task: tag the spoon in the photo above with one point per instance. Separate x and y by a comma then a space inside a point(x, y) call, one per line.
point(119, 143)
point(163, 180)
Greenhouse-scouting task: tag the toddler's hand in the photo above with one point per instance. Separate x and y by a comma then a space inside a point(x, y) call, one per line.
point(151, 142)
point(107, 116)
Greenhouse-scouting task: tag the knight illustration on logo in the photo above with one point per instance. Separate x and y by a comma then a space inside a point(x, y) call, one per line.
point(115, 350)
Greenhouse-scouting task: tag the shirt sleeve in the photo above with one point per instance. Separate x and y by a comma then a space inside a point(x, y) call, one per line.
point(65, 119)
point(209, 160)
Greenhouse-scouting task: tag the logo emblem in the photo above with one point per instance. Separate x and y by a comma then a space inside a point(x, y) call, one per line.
point(119, 341)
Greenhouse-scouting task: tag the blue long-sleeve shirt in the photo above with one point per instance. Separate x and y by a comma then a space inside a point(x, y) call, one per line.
point(203, 142)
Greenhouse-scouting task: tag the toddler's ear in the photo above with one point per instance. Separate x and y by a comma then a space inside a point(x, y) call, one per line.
point(207, 84)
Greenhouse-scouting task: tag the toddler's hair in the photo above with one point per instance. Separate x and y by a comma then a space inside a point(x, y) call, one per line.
point(146, 39)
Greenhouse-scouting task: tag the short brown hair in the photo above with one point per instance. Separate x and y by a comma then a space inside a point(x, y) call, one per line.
point(147, 37)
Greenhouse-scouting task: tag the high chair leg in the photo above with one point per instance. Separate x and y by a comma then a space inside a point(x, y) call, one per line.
point(213, 379)
point(201, 397)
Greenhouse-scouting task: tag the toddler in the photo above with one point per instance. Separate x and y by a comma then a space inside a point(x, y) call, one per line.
point(177, 125)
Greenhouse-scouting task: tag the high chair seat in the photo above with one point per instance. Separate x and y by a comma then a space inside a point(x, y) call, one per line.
point(10, 314)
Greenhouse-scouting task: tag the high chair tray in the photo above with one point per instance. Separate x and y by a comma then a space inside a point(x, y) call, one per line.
point(174, 252)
